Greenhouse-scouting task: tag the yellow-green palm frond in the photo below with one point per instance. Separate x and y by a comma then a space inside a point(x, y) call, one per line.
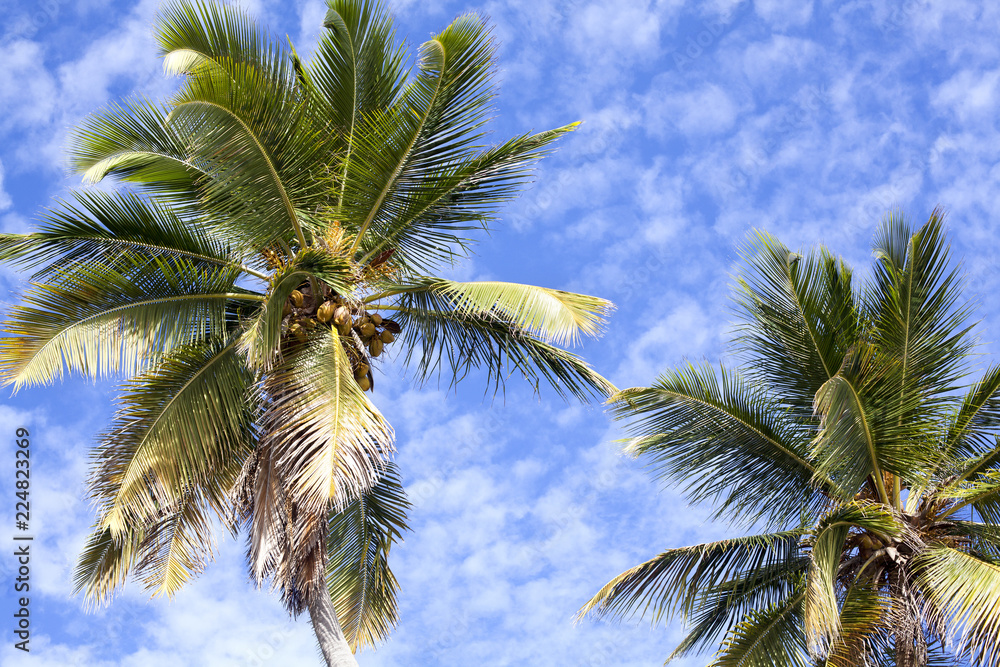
point(101, 321)
point(329, 440)
point(178, 426)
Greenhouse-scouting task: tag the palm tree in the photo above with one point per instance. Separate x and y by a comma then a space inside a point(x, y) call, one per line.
point(278, 227)
point(853, 442)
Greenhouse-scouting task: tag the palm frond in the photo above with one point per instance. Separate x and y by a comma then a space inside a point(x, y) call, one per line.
point(104, 228)
point(721, 607)
point(361, 584)
point(132, 141)
point(553, 315)
point(329, 440)
point(103, 566)
point(458, 341)
point(767, 637)
point(673, 581)
point(913, 304)
point(822, 604)
point(962, 593)
point(978, 418)
point(177, 426)
point(864, 614)
point(356, 69)
point(799, 317)
point(428, 227)
point(726, 441)
point(102, 321)
point(437, 121)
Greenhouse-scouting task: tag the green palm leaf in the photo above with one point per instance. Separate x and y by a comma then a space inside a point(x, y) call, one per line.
point(361, 584)
point(962, 592)
point(672, 582)
point(696, 419)
point(767, 637)
point(799, 318)
point(107, 228)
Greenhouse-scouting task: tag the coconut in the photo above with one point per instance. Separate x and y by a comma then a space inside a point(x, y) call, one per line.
point(286, 309)
point(364, 383)
point(297, 298)
point(341, 316)
point(367, 329)
point(375, 347)
point(376, 319)
point(361, 371)
point(325, 312)
point(386, 337)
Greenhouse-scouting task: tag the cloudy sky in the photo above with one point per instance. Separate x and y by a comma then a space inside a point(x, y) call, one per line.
point(702, 121)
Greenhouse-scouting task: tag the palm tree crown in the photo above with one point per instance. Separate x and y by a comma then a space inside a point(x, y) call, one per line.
point(852, 440)
point(280, 228)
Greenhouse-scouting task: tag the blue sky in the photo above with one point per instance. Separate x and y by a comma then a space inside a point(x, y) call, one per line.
point(702, 121)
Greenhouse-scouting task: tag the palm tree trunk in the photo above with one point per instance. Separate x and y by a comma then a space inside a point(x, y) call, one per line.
point(336, 650)
point(911, 646)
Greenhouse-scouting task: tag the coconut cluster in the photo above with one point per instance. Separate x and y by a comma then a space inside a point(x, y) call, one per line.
point(364, 334)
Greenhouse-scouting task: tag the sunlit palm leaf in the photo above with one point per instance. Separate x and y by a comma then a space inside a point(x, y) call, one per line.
point(179, 425)
point(105, 563)
point(429, 227)
point(550, 314)
point(102, 321)
point(329, 440)
point(132, 141)
point(913, 301)
point(459, 341)
point(721, 607)
point(963, 592)
point(822, 604)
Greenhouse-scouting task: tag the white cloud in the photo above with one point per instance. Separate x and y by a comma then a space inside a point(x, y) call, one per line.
point(706, 110)
point(5, 201)
point(970, 95)
point(28, 92)
point(767, 63)
point(783, 14)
